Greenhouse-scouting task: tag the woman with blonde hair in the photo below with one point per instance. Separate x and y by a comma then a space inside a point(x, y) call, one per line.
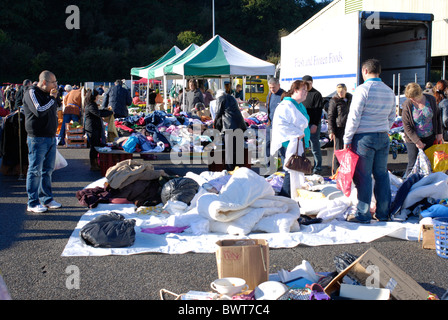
point(338, 110)
point(421, 122)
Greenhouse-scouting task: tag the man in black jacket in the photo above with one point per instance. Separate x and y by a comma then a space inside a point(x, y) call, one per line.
point(228, 119)
point(41, 122)
point(119, 99)
point(21, 92)
point(314, 107)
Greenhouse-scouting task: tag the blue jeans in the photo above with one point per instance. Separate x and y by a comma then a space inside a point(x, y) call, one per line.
point(41, 158)
point(66, 119)
point(373, 151)
point(315, 148)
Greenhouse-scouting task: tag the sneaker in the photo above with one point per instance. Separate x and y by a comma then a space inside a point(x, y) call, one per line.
point(37, 209)
point(53, 205)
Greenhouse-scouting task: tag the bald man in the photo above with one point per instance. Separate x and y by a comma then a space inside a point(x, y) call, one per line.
point(41, 121)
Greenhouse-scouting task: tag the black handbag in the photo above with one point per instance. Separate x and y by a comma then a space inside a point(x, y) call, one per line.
point(299, 163)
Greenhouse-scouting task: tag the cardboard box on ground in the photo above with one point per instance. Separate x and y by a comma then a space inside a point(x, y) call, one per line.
point(389, 276)
point(247, 259)
point(427, 236)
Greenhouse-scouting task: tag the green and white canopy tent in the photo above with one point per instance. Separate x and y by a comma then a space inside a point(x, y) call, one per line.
point(157, 71)
point(218, 58)
point(144, 72)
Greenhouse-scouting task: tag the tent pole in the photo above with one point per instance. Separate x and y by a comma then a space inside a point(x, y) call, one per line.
point(244, 88)
point(184, 92)
point(147, 94)
point(165, 91)
point(21, 176)
point(132, 86)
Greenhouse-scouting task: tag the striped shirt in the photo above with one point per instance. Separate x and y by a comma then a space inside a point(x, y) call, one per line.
point(37, 104)
point(41, 119)
point(372, 109)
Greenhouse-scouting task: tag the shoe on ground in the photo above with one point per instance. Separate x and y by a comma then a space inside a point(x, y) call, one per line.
point(53, 205)
point(37, 209)
point(380, 220)
point(400, 216)
point(353, 218)
point(95, 168)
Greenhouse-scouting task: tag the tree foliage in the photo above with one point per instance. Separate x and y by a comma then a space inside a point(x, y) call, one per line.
point(116, 35)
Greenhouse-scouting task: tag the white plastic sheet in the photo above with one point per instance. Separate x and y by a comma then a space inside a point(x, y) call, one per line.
point(331, 233)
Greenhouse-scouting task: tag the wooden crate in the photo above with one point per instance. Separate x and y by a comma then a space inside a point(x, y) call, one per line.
point(75, 141)
point(76, 145)
point(74, 136)
point(70, 130)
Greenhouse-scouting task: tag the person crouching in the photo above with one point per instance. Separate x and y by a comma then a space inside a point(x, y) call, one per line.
point(93, 125)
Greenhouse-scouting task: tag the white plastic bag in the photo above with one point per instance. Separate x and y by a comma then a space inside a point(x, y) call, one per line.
point(422, 164)
point(60, 161)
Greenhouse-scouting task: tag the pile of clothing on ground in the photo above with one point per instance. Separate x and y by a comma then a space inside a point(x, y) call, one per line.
point(241, 202)
point(237, 202)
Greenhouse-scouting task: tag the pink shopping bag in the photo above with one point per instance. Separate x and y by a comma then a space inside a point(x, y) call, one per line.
point(347, 160)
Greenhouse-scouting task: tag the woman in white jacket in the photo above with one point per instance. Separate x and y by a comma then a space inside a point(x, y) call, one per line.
point(290, 124)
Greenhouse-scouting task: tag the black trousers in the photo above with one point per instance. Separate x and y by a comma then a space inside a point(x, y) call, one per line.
point(338, 144)
point(95, 141)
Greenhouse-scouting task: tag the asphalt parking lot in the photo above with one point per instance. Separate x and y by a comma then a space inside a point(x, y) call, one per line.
point(33, 269)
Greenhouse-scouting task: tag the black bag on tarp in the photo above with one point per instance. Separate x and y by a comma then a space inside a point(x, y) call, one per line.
point(179, 189)
point(110, 230)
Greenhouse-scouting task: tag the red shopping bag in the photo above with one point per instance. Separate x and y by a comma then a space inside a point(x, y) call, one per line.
point(347, 164)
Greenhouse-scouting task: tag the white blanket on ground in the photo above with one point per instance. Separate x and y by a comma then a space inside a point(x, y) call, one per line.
point(248, 203)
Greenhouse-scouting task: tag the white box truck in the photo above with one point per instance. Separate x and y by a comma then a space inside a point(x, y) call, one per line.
point(332, 49)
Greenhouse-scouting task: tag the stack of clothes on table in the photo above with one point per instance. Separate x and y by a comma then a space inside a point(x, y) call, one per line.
point(159, 131)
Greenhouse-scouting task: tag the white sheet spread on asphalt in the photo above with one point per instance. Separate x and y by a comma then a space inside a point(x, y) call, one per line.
point(333, 232)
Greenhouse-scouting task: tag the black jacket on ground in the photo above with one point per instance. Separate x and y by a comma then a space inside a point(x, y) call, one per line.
point(41, 118)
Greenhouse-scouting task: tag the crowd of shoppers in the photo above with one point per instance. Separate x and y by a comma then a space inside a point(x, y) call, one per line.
point(360, 122)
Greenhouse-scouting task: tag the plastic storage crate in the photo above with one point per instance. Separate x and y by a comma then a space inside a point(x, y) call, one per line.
point(441, 236)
